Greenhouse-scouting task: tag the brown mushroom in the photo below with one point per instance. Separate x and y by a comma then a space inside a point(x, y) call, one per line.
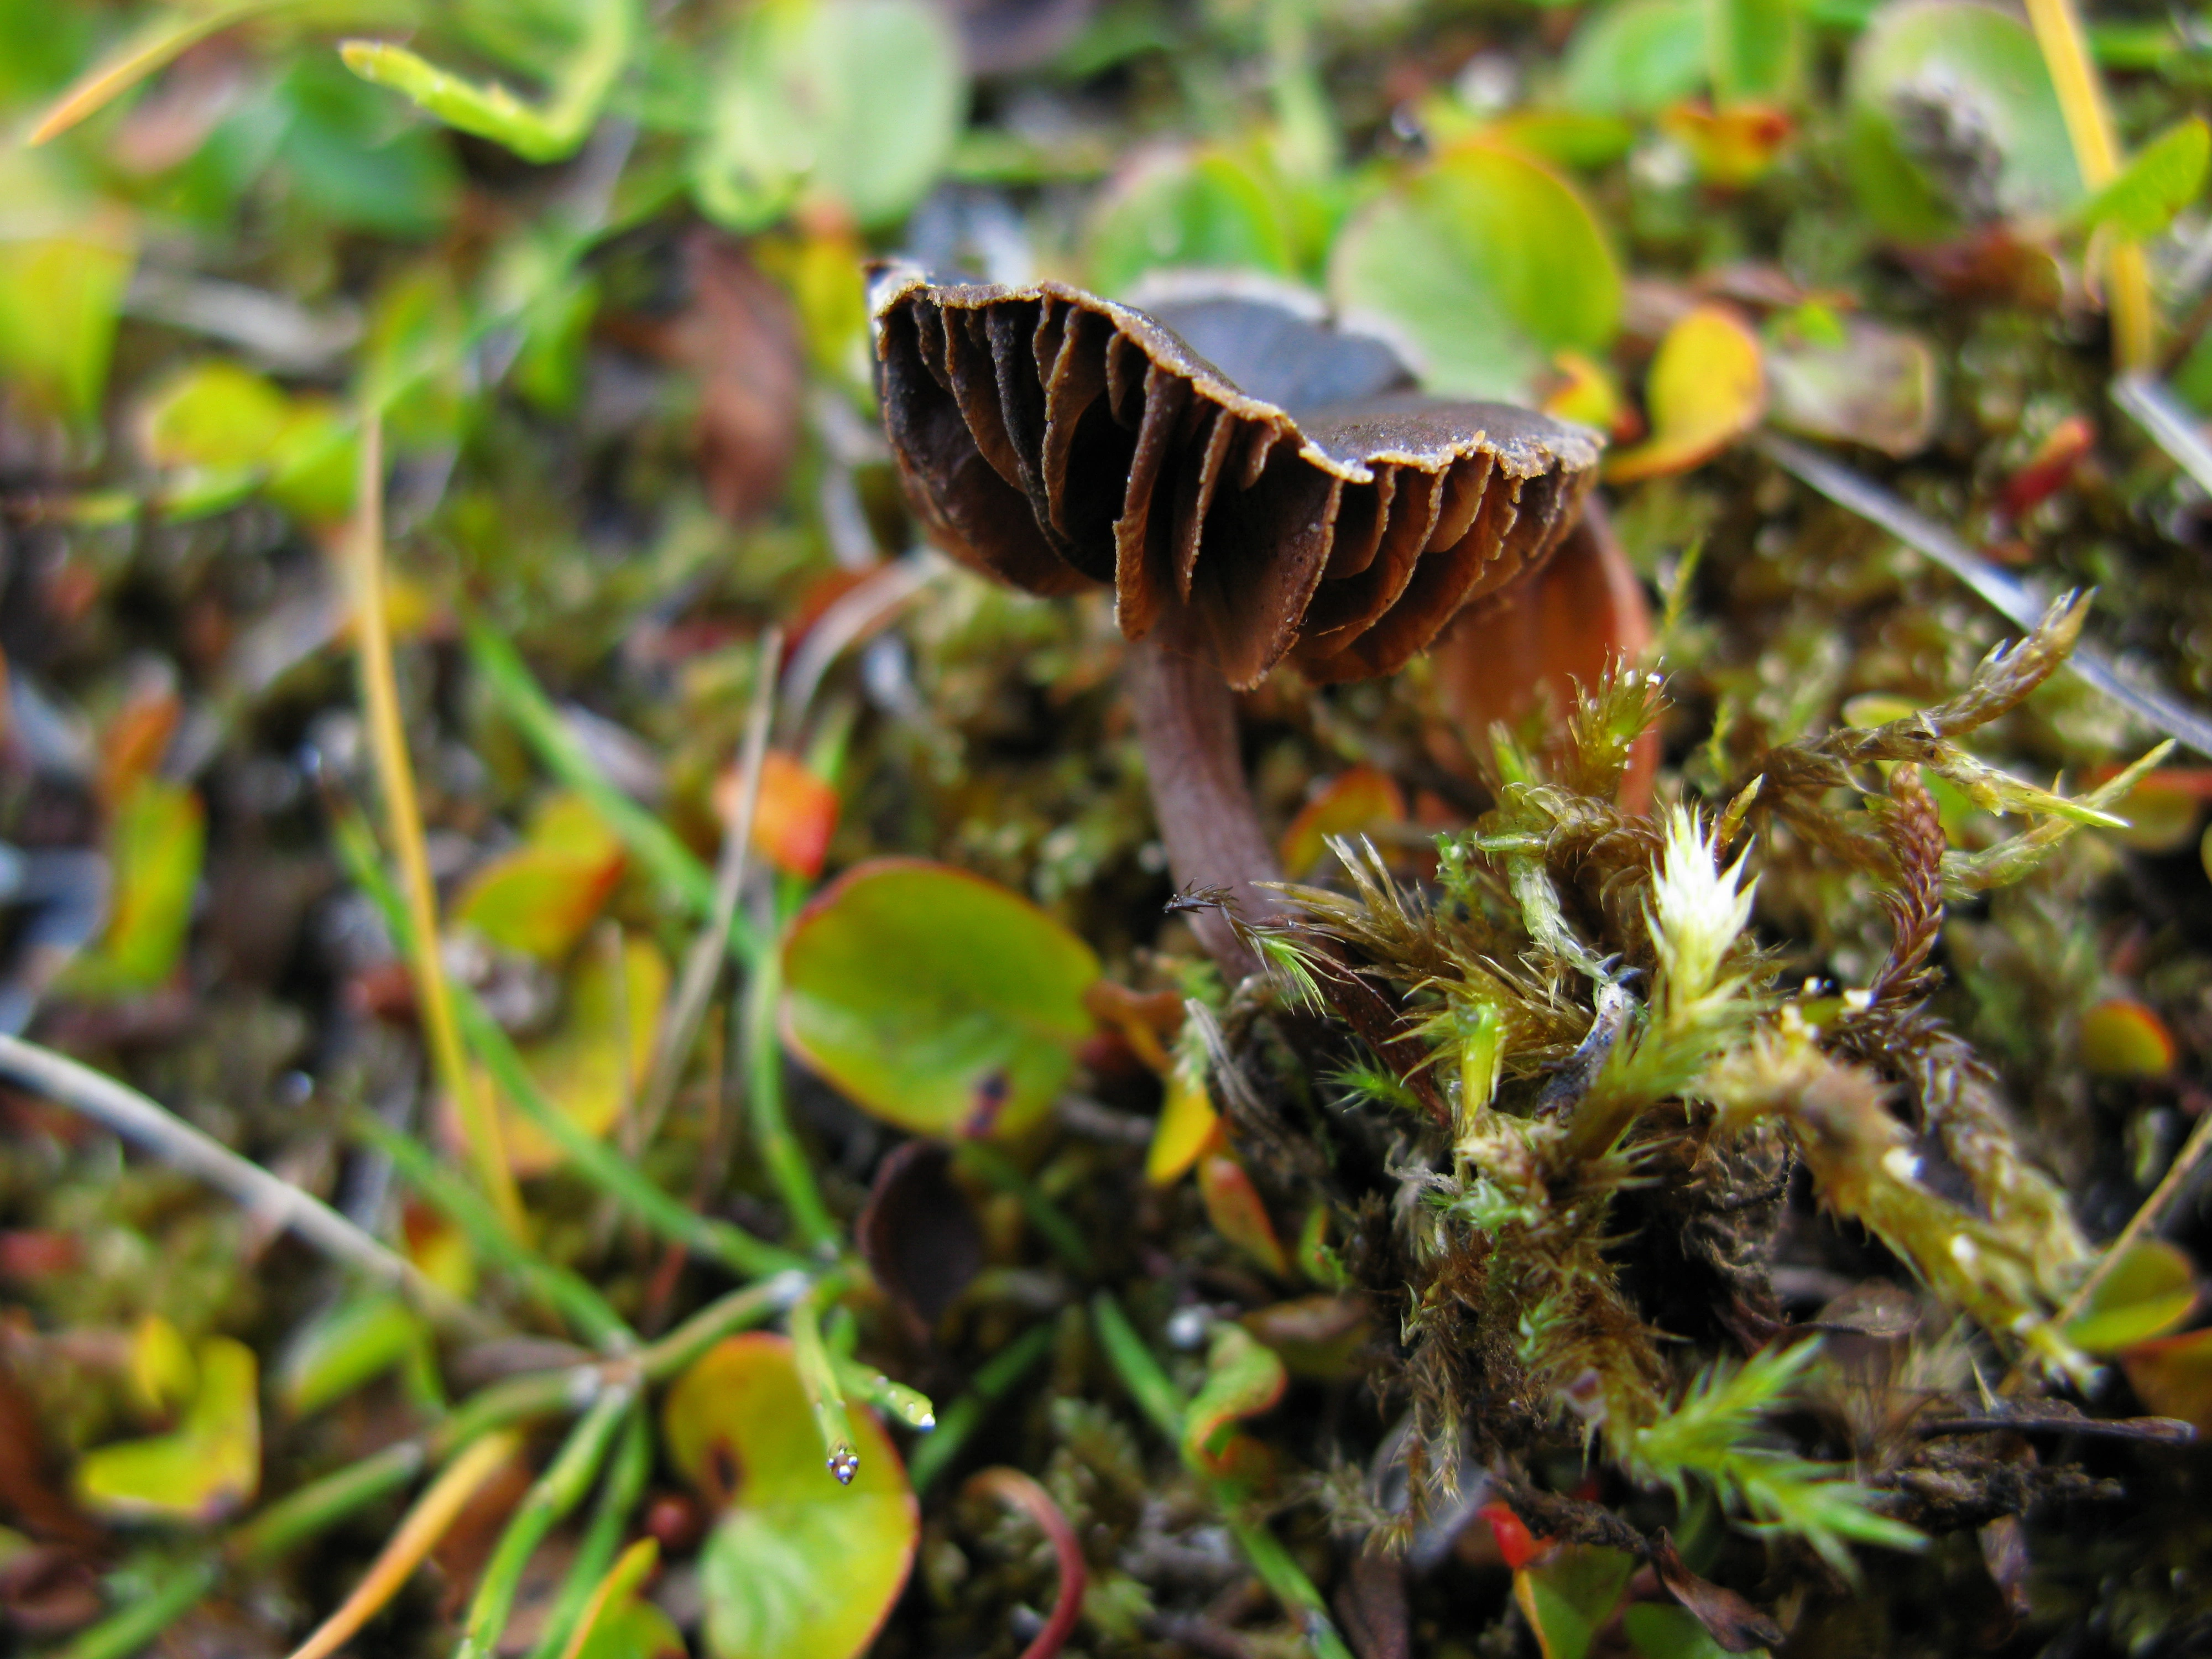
point(1320, 512)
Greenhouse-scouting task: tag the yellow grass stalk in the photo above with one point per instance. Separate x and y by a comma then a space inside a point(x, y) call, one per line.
point(433, 1513)
point(380, 696)
point(2097, 153)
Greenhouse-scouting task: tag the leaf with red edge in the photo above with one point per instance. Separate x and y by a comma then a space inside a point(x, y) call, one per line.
point(939, 1001)
point(797, 1567)
point(1243, 1377)
point(793, 818)
point(2122, 1038)
point(1733, 145)
point(1234, 1205)
point(540, 897)
point(1707, 388)
point(1569, 1594)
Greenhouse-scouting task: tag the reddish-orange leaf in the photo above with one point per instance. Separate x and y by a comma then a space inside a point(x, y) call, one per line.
point(1353, 803)
point(1517, 1545)
point(795, 817)
point(1233, 1205)
point(1706, 389)
point(1732, 146)
point(2173, 1375)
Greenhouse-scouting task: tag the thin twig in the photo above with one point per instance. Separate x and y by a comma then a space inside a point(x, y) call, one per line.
point(433, 1513)
point(779, 1151)
point(2009, 597)
point(703, 964)
point(846, 621)
point(2154, 1207)
point(380, 692)
point(136, 1118)
point(558, 1491)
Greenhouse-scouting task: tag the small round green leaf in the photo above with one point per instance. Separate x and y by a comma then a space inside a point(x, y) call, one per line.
point(1952, 116)
point(1636, 58)
point(852, 102)
point(2148, 1292)
point(1482, 263)
point(1207, 209)
point(939, 1001)
point(798, 1567)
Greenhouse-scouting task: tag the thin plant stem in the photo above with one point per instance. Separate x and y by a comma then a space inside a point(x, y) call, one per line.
point(380, 692)
point(626, 1474)
point(163, 41)
point(558, 1491)
point(433, 1513)
point(979, 1159)
point(136, 1627)
point(910, 1405)
point(595, 1159)
point(321, 1504)
point(702, 963)
point(960, 1419)
point(2158, 710)
point(849, 619)
point(660, 1360)
point(2097, 154)
point(621, 1579)
point(647, 839)
point(1156, 1396)
point(817, 1375)
point(516, 1400)
point(136, 1118)
point(779, 1148)
point(1018, 1490)
point(565, 1291)
point(2145, 1219)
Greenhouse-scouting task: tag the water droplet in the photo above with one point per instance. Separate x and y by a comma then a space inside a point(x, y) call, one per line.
point(844, 1463)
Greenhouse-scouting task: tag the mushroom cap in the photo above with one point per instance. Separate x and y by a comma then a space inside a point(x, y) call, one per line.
point(1054, 440)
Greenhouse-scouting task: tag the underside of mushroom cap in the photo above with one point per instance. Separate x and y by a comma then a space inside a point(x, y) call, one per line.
point(1054, 440)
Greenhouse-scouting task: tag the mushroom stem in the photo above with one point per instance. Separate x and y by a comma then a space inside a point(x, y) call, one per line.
point(1187, 723)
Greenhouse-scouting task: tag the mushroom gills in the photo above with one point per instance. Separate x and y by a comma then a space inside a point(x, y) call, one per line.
point(1052, 439)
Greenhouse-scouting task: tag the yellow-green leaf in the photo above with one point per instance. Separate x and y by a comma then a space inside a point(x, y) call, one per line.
point(540, 897)
point(205, 1470)
point(1569, 1594)
point(1485, 262)
point(61, 290)
point(154, 852)
point(798, 1567)
point(2149, 1292)
point(599, 1054)
point(939, 1001)
point(2160, 181)
point(1707, 388)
